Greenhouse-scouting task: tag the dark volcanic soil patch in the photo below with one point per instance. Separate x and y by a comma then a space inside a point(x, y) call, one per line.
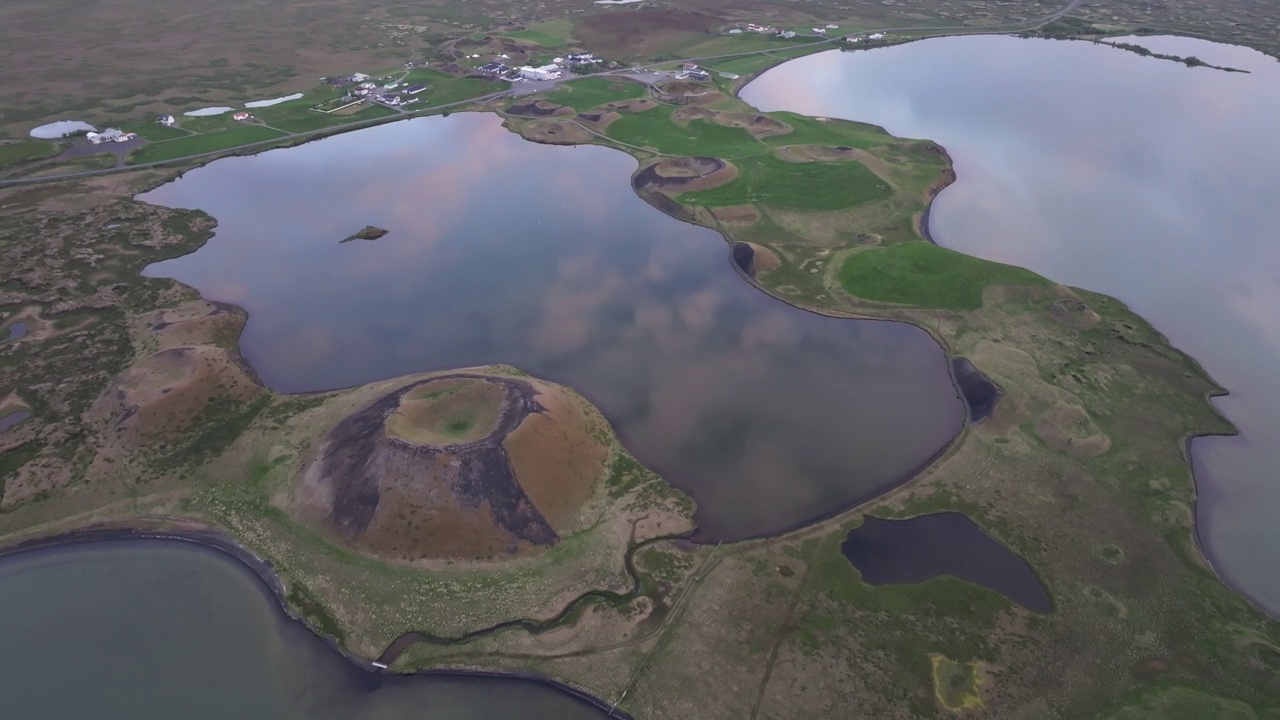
point(980, 394)
point(539, 108)
point(400, 498)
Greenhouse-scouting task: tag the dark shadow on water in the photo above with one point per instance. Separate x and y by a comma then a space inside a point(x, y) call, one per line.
point(895, 552)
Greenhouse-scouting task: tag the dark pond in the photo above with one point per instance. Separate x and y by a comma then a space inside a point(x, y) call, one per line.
point(152, 630)
point(889, 552)
point(1137, 177)
point(12, 419)
point(980, 394)
point(16, 331)
point(504, 251)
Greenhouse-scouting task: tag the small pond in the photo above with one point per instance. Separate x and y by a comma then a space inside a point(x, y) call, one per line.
point(894, 552)
point(15, 331)
point(152, 630)
point(13, 418)
point(60, 129)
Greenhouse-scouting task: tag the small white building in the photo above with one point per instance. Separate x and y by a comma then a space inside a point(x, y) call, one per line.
point(167, 120)
point(359, 77)
point(876, 36)
point(546, 72)
point(819, 31)
point(242, 116)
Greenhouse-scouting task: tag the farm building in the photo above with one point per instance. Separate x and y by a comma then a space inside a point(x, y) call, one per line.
point(167, 120)
point(242, 116)
point(546, 72)
point(415, 89)
point(109, 135)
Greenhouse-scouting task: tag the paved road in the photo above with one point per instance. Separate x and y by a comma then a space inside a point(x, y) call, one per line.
point(523, 89)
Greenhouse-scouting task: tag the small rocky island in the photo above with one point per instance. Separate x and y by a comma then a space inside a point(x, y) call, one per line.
point(369, 232)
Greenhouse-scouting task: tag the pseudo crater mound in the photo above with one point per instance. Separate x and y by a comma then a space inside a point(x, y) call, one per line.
point(460, 466)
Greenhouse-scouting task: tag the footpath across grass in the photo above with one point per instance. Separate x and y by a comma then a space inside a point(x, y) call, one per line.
point(925, 275)
point(197, 144)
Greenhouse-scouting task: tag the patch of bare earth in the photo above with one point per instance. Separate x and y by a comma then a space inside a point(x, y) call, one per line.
point(737, 215)
point(555, 132)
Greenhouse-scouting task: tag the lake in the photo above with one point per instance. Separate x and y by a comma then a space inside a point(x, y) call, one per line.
point(1137, 177)
point(149, 629)
point(504, 251)
point(889, 552)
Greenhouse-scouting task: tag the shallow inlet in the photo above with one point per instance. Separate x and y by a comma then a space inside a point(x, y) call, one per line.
point(894, 552)
point(1133, 176)
point(152, 629)
point(505, 251)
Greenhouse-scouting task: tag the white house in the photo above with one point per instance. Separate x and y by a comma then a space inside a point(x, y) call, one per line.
point(819, 31)
point(359, 77)
point(242, 116)
point(876, 36)
point(167, 120)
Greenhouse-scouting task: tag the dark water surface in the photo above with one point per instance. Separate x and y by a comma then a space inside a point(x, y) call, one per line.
point(153, 630)
point(892, 552)
point(1132, 176)
point(12, 419)
point(504, 251)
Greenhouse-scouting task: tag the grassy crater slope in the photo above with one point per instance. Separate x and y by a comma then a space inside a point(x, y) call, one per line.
point(143, 414)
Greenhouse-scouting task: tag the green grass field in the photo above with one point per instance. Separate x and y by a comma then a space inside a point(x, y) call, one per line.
point(810, 131)
point(766, 180)
point(154, 131)
point(551, 33)
point(651, 129)
point(925, 275)
point(592, 92)
point(11, 153)
point(299, 117)
point(197, 144)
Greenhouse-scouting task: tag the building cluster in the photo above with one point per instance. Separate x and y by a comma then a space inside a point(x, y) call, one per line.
point(110, 135)
point(690, 71)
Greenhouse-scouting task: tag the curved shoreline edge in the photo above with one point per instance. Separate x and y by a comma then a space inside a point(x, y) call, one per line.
point(267, 579)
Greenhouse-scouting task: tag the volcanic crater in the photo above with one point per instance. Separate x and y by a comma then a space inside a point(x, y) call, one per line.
point(461, 466)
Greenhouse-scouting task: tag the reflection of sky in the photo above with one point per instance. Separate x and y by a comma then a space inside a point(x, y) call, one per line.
point(1136, 177)
point(501, 250)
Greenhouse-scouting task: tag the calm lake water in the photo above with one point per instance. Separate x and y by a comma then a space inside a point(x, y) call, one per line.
point(505, 251)
point(1136, 177)
point(910, 551)
point(151, 630)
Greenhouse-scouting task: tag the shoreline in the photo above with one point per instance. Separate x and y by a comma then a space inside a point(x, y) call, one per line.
point(213, 540)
